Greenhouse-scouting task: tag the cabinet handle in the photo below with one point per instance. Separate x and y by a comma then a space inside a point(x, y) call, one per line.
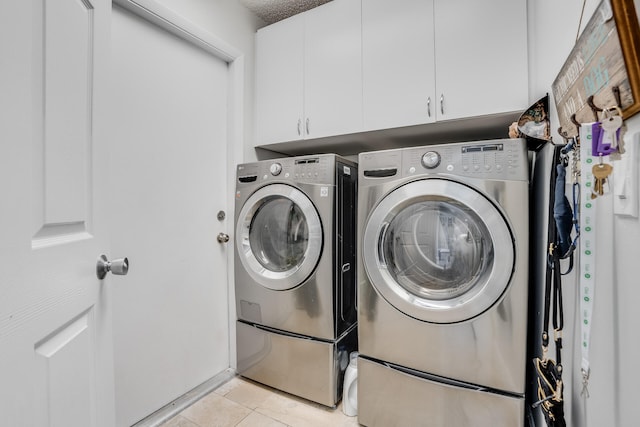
point(442, 103)
point(307, 125)
point(299, 122)
point(429, 106)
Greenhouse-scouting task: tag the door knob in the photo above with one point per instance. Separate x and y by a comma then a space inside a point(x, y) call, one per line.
point(223, 238)
point(119, 267)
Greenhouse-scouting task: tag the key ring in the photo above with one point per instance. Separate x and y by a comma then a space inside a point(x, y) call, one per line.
point(614, 107)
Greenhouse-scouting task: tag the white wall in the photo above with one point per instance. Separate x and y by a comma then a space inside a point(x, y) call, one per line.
point(614, 349)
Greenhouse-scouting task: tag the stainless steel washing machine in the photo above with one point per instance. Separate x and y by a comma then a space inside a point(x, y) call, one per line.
point(295, 269)
point(443, 283)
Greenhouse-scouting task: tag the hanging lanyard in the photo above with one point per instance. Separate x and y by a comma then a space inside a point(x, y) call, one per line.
point(587, 251)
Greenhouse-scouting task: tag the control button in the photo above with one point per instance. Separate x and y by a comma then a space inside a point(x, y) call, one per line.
point(265, 176)
point(286, 175)
point(465, 167)
point(487, 167)
point(499, 167)
point(449, 168)
point(275, 169)
point(412, 170)
point(430, 159)
point(476, 167)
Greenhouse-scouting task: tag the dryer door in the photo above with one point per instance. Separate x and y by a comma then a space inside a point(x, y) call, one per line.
point(438, 251)
point(279, 236)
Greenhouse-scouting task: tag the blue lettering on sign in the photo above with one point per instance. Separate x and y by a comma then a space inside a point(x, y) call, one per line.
point(594, 42)
point(597, 78)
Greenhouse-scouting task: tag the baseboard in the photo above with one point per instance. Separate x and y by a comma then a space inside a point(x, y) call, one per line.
point(183, 402)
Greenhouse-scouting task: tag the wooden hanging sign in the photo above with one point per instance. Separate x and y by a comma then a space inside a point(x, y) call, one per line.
point(603, 65)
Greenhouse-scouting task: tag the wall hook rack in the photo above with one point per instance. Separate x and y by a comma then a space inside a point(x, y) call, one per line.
point(594, 107)
point(563, 134)
point(575, 122)
point(616, 93)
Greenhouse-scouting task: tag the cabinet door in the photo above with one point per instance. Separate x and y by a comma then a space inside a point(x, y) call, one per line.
point(481, 57)
point(279, 81)
point(333, 69)
point(397, 63)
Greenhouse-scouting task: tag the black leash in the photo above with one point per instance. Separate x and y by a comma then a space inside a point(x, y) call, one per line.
point(549, 372)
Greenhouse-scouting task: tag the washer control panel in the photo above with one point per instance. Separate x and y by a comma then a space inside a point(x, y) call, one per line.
point(317, 169)
point(308, 169)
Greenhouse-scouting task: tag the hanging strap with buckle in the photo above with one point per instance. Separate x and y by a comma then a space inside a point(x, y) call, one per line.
point(548, 371)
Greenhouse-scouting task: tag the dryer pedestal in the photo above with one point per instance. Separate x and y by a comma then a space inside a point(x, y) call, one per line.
point(443, 284)
point(389, 395)
point(300, 365)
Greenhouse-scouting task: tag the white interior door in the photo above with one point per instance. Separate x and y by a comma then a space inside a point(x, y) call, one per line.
point(168, 154)
point(56, 365)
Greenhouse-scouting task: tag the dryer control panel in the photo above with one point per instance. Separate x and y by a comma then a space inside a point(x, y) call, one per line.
point(495, 159)
point(503, 159)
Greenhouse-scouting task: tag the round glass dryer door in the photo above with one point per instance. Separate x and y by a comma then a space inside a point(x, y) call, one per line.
point(280, 236)
point(438, 251)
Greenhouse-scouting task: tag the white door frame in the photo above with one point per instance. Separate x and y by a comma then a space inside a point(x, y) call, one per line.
point(177, 25)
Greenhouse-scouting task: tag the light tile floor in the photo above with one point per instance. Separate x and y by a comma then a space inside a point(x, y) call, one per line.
point(244, 403)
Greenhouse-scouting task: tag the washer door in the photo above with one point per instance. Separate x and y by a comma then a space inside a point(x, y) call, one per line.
point(438, 251)
point(280, 236)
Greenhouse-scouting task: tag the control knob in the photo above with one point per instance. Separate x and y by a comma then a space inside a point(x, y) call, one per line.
point(275, 169)
point(430, 159)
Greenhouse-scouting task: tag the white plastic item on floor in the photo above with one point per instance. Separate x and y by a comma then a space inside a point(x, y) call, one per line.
point(350, 388)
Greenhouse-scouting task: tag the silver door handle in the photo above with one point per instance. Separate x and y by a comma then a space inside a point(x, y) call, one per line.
point(442, 103)
point(299, 133)
point(429, 106)
point(223, 238)
point(118, 267)
point(307, 126)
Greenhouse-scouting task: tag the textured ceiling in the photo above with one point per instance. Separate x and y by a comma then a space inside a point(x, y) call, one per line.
point(271, 11)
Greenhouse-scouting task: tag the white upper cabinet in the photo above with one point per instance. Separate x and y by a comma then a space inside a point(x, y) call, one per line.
point(309, 75)
point(435, 60)
point(397, 59)
point(280, 81)
point(333, 69)
point(481, 57)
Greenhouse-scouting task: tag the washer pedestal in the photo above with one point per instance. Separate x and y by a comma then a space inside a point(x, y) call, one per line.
point(300, 365)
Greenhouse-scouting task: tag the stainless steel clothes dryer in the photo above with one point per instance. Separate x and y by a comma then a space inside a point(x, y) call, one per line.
point(295, 273)
point(442, 285)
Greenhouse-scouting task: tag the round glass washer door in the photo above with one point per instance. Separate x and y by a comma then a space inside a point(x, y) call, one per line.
point(280, 236)
point(438, 251)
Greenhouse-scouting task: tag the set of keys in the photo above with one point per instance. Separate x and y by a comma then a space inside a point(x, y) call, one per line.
point(607, 143)
point(601, 172)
